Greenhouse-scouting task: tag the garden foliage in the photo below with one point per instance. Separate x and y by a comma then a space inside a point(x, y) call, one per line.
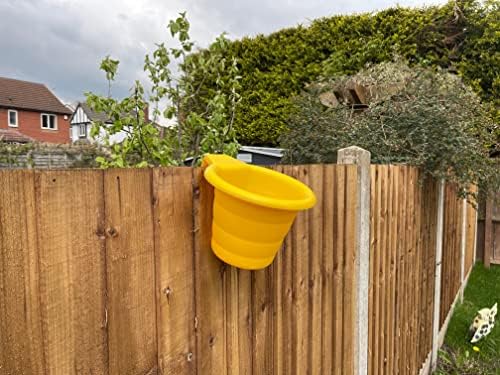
point(461, 36)
point(415, 116)
point(197, 130)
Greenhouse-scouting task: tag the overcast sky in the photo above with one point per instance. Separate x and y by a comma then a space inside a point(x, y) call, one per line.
point(61, 42)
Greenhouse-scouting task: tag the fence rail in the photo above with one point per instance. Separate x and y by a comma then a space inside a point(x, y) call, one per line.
point(111, 272)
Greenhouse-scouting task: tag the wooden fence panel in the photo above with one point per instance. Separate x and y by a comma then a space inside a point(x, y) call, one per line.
point(262, 313)
point(239, 321)
point(210, 284)
point(452, 237)
point(119, 277)
point(130, 263)
point(338, 271)
point(393, 244)
point(284, 300)
point(413, 271)
point(470, 236)
point(428, 259)
point(175, 292)
point(402, 263)
point(21, 340)
point(350, 278)
point(328, 299)
point(431, 194)
point(300, 312)
point(70, 215)
point(416, 267)
point(316, 271)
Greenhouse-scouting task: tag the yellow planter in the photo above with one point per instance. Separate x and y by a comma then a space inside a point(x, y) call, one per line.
point(253, 210)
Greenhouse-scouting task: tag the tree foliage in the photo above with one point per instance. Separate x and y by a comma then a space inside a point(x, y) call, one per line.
point(198, 129)
point(461, 36)
point(415, 116)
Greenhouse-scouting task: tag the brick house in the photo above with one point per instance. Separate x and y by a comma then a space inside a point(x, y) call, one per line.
point(33, 111)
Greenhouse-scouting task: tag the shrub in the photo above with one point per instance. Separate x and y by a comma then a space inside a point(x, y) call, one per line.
point(414, 116)
point(461, 36)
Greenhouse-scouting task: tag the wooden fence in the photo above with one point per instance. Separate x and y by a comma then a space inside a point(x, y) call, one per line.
point(489, 238)
point(111, 272)
point(403, 237)
point(451, 281)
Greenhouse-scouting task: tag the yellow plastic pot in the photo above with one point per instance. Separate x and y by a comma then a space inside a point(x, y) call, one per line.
point(253, 210)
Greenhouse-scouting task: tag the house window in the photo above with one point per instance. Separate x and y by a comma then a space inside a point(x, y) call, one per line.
point(12, 118)
point(82, 131)
point(49, 121)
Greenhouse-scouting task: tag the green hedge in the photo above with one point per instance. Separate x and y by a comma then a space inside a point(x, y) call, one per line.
point(462, 36)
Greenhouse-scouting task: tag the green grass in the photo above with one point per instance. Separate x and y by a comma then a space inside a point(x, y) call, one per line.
point(458, 356)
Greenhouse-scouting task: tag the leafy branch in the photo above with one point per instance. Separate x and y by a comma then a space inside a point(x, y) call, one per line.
point(194, 132)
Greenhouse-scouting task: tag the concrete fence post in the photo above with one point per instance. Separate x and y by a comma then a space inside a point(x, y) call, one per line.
point(361, 157)
point(463, 249)
point(437, 285)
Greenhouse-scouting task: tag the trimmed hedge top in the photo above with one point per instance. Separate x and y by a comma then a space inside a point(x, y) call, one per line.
point(462, 36)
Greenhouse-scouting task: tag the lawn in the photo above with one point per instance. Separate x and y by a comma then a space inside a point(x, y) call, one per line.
point(458, 355)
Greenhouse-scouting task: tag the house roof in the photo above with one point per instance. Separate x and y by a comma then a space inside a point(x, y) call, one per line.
point(92, 115)
point(10, 135)
point(29, 95)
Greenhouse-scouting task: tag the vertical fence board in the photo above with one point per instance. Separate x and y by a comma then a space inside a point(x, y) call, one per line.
point(21, 341)
point(387, 302)
point(431, 272)
point(422, 283)
point(488, 252)
point(277, 302)
point(239, 321)
point(338, 271)
point(316, 319)
point(445, 265)
point(349, 308)
point(470, 237)
point(371, 287)
point(411, 271)
point(289, 305)
point(173, 212)
point(451, 264)
point(210, 298)
point(72, 270)
point(393, 209)
point(383, 254)
point(130, 271)
point(300, 314)
point(262, 311)
point(329, 202)
point(451, 254)
point(285, 323)
point(376, 271)
point(245, 342)
point(402, 276)
point(233, 321)
point(417, 285)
